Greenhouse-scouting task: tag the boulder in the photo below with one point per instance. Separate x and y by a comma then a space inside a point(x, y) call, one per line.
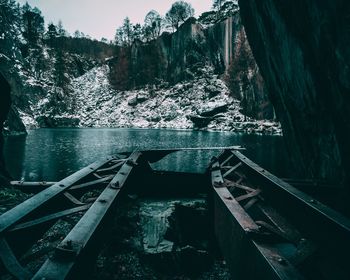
point(132, 101)
point(212, 108)
point(199, 121)
point(212, 90)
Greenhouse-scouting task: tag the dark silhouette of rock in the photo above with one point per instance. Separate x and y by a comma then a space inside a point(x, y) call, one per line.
point(199, 121)
point(5, 104)
point(302, 49)
point(214, 110)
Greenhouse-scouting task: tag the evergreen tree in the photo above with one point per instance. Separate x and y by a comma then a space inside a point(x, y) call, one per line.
point(137, 32)
point(33, 24)
point(217, 4)
point(128, 31)
point(10, 22)
point(119, 36)
point(77, 34)
point(51, 31)
point(60, 68)
point(60, 30)
point(125, 34)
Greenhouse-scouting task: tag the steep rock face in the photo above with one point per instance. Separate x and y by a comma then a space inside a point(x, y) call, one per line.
point(5, 102)
point(185, 105)
point(302, 49)
point(183, 54)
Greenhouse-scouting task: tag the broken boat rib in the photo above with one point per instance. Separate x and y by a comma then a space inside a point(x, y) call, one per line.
point(38, 213)
point(80, 236)
point(268, 229)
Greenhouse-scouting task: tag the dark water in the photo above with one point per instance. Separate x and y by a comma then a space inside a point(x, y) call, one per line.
point(52, 154)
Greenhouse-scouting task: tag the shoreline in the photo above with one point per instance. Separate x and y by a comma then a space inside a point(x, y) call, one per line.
point(252, 132)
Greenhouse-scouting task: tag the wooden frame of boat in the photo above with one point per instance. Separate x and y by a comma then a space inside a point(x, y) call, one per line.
point(266, 228)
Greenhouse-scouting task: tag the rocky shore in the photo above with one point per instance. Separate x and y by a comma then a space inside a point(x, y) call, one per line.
point(201, 103)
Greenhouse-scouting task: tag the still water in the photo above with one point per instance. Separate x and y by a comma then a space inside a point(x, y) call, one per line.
point(52, 154)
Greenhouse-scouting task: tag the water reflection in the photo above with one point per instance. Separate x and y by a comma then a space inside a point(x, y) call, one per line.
point(52, 154)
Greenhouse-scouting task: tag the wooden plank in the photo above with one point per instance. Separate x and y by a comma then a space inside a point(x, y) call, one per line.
point(226, 161)
point(31, 184)
point(248, 195)
point(216, 178)
point(317, 211)
point(237, 185)
point(79, 237)
point(120, 163)
point(91, 183)
point(14, 215)
point(232, 169)
point(73, 199)
point(51, 217)
point(196, 149)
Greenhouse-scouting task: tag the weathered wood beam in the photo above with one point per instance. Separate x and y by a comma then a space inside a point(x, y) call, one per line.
point(51, 217)
point(14, 215)
point(72, 247)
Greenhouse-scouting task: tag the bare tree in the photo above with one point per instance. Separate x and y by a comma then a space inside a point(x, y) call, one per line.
point(153, 25)
point(179, 12)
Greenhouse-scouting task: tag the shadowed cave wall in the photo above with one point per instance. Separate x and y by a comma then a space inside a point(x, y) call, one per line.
point(302, 49)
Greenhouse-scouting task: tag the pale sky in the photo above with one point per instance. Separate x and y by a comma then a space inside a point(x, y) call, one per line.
point(100, 18)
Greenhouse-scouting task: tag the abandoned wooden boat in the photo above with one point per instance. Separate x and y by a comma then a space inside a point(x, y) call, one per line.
point(266, 228)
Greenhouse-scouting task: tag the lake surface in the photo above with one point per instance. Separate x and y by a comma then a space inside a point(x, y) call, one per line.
point(52, 154)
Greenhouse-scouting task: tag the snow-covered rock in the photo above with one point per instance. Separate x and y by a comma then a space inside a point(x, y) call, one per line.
point(98, 104)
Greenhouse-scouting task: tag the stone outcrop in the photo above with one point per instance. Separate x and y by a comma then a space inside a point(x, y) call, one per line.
point(182, 56)
point(302, 49)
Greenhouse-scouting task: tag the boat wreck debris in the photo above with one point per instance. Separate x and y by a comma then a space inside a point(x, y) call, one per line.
point(258, 220)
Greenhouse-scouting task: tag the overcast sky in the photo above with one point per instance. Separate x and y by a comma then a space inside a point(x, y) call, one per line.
point(100, 18)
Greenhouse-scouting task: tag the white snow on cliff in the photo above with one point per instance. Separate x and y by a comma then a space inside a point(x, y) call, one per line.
point(160, 106)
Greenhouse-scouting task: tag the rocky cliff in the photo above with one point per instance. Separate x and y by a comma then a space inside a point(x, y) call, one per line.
point(180, 56)
point(302, 49)
point(5, 102)
point(203, 102)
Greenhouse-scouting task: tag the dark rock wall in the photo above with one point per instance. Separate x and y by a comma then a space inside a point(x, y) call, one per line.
point(5, 103)
point(302, 49)
point(183, 54)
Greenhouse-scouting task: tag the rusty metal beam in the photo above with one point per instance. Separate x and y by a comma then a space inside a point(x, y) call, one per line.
point(73, 246)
